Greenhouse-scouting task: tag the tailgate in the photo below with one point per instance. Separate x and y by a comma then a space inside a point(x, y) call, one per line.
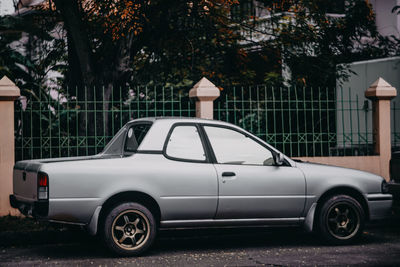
point(25, 176)
point(25, 180)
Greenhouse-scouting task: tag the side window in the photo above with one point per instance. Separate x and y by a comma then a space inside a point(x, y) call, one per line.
point(185, 143)
point(232, 147)
point(135, 136)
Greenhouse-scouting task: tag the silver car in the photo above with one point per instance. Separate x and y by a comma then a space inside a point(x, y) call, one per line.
point(187, 172)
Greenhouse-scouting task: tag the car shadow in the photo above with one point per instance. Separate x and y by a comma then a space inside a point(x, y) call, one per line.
point(80, 245)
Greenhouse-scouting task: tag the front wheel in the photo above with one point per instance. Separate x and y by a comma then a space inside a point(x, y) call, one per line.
point(129, 229)
point(341, 220)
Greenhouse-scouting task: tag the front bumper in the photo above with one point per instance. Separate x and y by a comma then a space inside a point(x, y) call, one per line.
point(380, 206)
point(394, 189)
point(36, 209)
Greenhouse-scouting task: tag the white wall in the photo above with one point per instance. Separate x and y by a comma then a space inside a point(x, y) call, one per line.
point(6, 7)
point(388, 23)
point(365, 73)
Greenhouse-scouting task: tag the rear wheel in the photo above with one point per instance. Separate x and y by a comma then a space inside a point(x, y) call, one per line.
point(341, 220)
point(129, 229)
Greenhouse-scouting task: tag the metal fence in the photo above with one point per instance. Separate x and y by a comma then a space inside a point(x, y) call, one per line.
point(52, 124)
point(298, 121)
point(395, 110)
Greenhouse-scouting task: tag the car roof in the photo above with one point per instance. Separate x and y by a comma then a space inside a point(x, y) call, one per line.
point(173, 120)
point(182, 119)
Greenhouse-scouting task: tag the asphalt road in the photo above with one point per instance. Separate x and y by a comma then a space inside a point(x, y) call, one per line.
point(380, 245)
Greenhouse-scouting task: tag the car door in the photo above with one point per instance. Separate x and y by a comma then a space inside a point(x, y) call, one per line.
point(250, 185)
point(187, 178)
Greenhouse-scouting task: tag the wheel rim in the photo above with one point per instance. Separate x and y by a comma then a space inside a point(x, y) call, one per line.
point(130, 230)
point(343, 220)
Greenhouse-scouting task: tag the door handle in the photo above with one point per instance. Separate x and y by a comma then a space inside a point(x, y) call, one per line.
point(228, 174)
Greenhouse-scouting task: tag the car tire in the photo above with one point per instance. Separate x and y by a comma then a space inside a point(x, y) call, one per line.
point(341, 220)
point(129, 229)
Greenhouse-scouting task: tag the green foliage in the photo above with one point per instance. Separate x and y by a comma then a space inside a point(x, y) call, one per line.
point(185, 41)
point(312, 41)
point(178, 42)
point(28, 52)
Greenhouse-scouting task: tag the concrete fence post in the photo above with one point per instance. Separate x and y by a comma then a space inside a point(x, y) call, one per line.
point(381, 92)
point(8, 93)
point(205, 92)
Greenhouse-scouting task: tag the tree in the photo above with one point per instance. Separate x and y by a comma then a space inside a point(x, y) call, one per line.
point(312, 42)
point(107, 36)
point(114, 43)
point(29, 51)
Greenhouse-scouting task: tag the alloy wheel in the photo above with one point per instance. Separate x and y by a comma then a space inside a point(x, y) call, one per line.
point(130, 229)
point(343, 220)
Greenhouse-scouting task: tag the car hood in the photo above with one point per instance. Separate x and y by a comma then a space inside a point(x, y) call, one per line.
point(331, 168)
point(333, 176)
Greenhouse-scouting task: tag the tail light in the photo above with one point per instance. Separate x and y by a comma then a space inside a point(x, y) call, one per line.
point(43, 185)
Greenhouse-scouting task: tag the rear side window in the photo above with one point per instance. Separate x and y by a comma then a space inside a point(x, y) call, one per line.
point(184, 143)
point(135, 136)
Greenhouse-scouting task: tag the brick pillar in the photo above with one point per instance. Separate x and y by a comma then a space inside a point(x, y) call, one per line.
point(8, 93)
point(205, 92)
point(381, 92)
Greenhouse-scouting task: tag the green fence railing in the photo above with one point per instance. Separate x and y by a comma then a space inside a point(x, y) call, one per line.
point(395, 126)
point(51, 124)
point(298, 121)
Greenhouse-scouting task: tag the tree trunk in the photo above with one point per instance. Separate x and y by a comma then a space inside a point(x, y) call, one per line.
point(79, 41)
point(117, 75)
point(73, 76)
point(76, 29)
point(112, 73)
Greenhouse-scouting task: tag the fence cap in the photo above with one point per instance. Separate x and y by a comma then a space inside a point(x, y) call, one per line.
point(204, 90)
point(8, 90)
point(381, 89)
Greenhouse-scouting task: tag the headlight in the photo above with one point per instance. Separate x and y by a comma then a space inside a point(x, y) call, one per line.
point(385, 187)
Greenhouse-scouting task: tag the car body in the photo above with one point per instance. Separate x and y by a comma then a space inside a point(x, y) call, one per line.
point(189, 172)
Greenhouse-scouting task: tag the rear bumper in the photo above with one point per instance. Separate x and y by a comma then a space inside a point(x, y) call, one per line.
point(37, 209)
point(380, 206)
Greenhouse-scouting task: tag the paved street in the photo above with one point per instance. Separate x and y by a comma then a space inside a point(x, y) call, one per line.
point(380, 245)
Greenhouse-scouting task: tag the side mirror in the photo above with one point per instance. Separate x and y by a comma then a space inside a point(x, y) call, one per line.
point(279, 159)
